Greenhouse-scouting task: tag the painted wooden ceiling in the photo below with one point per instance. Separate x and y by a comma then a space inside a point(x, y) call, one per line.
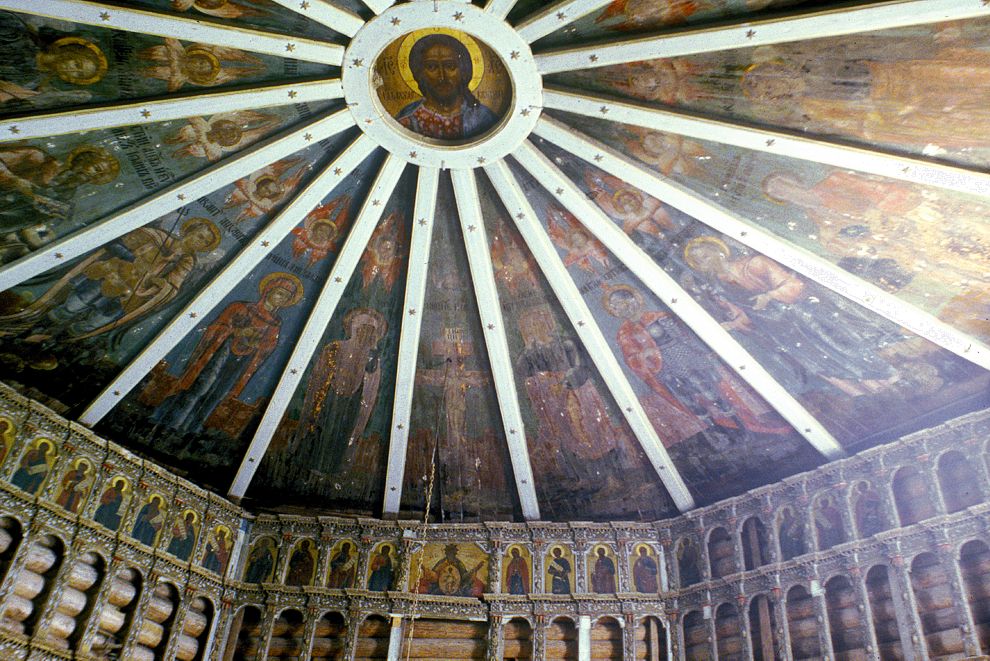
point(653, 254)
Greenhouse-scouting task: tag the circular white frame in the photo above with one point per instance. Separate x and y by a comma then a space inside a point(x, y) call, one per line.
point(369, 114)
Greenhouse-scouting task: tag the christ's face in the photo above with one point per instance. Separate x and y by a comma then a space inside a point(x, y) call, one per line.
point(440, 79)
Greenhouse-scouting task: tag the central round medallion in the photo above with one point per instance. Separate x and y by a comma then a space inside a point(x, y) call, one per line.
point(420, 80)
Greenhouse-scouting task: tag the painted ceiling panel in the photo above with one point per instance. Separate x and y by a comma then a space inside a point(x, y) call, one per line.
point(332, 442)
point(629, 17)
point(586, 460)
point(54, 64)
point(247, 331)
point(916, 90)
point(455, 412)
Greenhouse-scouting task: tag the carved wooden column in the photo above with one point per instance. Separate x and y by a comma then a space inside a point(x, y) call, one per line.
point(540, 638)
point(539, 550)
point(495, 567)
point(906, 610)
point(99, 602)
point(282, 558)
point(178, 622)
point(408, 549)
point(31, 533)
point(495, 641)
point(858, 581)
point(747, 652)
point(309, 631)
point(147, 594)
point(676, 634)
point(817, 591)
point(843, 496)
point(395, 639)
point(352, 627)
point(221, 632)
point(959, 599)
point(628, 636)
point(709, 610)
point(779, 604)
point(929, 472)
point(584, 638)
point(770, 528)
point(580, 567)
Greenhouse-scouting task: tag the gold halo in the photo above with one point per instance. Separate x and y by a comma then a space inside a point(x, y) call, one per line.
point(649, 549)
point(101, 59)
point(611, 290)
point(763, 187)
point(477, 59)
point(282, 275)
point(192, 51)
point(214, 230)
point(703, 240)
point(102, 153)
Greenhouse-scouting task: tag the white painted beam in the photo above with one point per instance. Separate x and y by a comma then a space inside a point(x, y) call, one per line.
point(555, 17)
point(316, 324)
point(669, 291)
point(326, 13)
point(195, 30)
point(128, 113)
point(378, 6)
point(412, 319)
point(792, 145)
point(500, 8)
point(796, 27)
point(599, 349)
point(490, 311)
point(223, 282)
point(158, 204)
point(799, 260)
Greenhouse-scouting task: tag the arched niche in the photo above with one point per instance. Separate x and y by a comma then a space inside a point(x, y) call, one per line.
point(688, 562)
point(958, 481)
point(329, 637)
point(849, 634)
point(829, 530)
point(911, 496)
point(936, 607)
point(721, 553)
point(885, 627)
point(790, 534)
point(195, 632)
point(802, 624)
point(286, 640)
point(74, 604)
point(372, 639)
point(755, 543)
point(156, 626)
point(32, 585)
point(11, 534)
point(517, 635)
point(561, 640)
point(651, 639)
point(974, 564)
point(457, 640)
point(763, 630)
point(244, 642)
point(117, 613)
point(729, 638)
point(868, 510)
point(697, 645)
point(606, 640)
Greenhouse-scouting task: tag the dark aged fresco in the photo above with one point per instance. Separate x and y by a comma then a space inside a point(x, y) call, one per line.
point(69, 331)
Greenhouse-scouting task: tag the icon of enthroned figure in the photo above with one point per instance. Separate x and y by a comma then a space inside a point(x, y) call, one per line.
point(445, 70)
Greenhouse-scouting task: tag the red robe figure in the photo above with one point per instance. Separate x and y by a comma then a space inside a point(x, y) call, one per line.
point(231, 350)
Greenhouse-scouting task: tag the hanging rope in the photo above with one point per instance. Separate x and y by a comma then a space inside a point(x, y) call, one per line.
point(426, 514)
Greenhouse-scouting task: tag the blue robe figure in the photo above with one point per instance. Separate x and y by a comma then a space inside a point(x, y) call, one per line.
point(381, 571)
point(108, 513)
point(148, 523)
point(33, 469)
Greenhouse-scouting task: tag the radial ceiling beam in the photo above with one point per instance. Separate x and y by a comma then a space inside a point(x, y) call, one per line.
point(796, 27)
point(412, 315)
point(490, 312)
point(669, 291)
point(500, 8)
point(194, 30)
point(555, 17)
point(229, 277)
point(327, 14)
point(588, 331)
point(168, 200)
point(91, 118)
point(320, 316)
point(816, 149)
point(799, 260)
point(378, 6)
